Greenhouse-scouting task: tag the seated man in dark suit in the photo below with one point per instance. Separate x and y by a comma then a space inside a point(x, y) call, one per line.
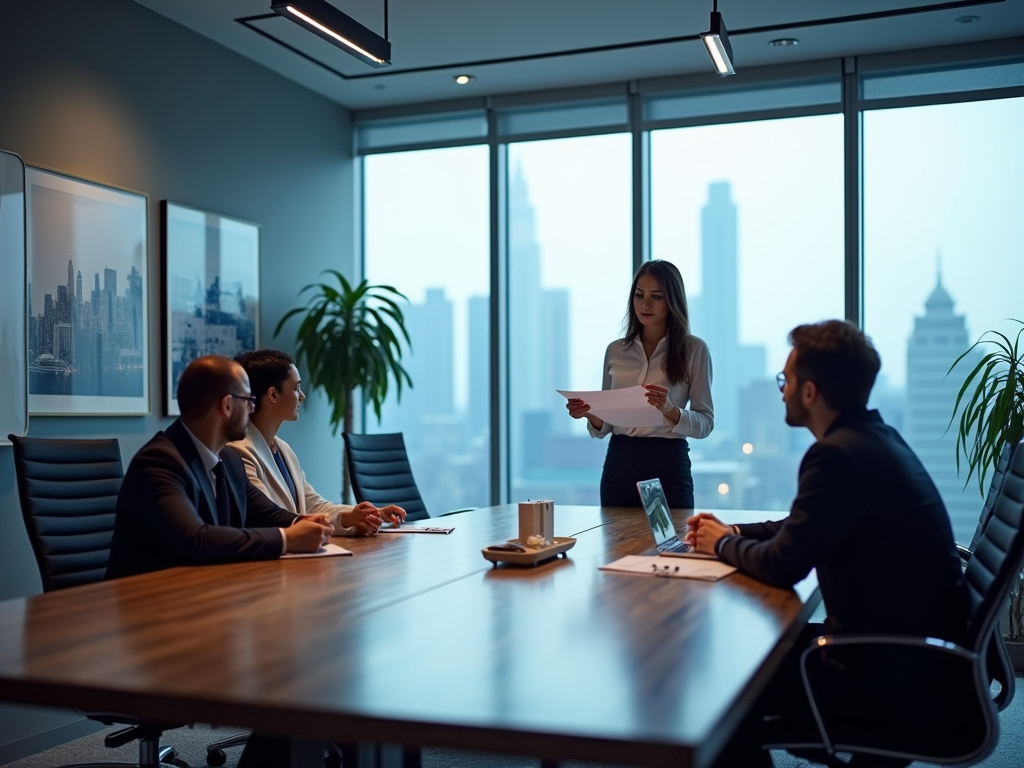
point(185, 502)
point(867, 516)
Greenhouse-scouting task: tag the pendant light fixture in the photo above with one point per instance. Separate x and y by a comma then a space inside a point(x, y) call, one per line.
point(717, 41)
point(324, 20)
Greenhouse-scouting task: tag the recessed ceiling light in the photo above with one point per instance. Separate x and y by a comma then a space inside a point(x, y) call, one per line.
point(784, 42)
point(463, 79)
point(967, 19)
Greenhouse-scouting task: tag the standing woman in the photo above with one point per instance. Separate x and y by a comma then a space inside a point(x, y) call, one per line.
point(659, 352)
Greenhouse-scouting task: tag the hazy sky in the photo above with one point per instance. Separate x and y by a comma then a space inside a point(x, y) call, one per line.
point(94, 226)
point(239, 250)
point(946, 179)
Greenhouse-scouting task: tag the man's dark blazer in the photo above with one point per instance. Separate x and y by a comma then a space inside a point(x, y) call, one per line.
point(868, 517)
point(166, 511)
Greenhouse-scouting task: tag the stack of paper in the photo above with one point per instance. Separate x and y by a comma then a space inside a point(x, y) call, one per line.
point(327, 550)
point(671, 567)
point(622, 407)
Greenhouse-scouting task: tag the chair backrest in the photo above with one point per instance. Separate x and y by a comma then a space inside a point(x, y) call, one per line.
point(993, 492)
point(68, 491)
point(379, 468)
point(998, 555)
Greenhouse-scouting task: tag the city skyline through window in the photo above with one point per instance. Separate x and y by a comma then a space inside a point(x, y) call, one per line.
point(427, 234)
point(943, 186)
point(752, 213)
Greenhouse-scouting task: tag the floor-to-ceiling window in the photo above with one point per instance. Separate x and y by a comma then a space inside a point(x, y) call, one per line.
point(426, 229)
point(569, 256)
point(742, 186)
point(752, 214)
point(943, 263)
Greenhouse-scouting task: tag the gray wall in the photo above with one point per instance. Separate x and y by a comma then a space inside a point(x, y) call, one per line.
point(110, 91)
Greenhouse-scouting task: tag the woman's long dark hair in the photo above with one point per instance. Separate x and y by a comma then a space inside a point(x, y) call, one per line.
point(678, 334)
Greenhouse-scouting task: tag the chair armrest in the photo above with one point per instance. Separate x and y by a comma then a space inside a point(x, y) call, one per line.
point(928, 647)
point(964, 552)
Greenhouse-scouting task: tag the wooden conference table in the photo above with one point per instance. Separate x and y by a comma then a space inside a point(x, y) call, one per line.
point(417, 640)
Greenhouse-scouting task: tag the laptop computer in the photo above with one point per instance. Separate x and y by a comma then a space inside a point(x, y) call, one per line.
point(666, 540)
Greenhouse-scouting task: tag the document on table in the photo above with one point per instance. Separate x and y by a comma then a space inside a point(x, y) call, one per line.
point(415, 529)
point(671, 567)
point(626, 407)
point(327, 550)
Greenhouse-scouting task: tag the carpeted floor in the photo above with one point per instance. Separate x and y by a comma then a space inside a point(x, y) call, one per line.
point(191, 745)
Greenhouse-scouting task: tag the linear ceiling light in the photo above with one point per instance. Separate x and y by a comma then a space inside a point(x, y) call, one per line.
point(324, 20)
point(717, 41)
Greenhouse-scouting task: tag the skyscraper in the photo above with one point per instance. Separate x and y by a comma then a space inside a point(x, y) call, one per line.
point(939, 337)
point(538, 334)
point(430, 364)
point(714, 313)
point(479, 364)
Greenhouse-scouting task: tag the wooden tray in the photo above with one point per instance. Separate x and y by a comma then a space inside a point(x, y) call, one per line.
point(531, 556)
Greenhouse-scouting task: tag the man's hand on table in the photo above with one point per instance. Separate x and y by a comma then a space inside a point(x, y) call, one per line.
point(308, 533)
point(705, 531)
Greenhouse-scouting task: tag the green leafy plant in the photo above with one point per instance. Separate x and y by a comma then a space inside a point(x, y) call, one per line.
point(351, 339)
point(992, 417)
point(994, 414)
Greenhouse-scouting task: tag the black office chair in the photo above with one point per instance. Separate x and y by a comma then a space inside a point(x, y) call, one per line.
point(68, 491)
point(379, 469)
point(960, 716)
point(1000, 667)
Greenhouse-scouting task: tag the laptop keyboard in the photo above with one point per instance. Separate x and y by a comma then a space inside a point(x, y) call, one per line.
point(677, 546)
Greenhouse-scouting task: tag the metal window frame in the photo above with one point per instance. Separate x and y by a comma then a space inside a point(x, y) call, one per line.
point(851, 106)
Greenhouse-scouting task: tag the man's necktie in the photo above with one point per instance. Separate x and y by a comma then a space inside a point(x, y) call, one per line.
point(223, 495)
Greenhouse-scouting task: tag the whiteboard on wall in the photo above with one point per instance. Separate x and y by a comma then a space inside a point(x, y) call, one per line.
point(13, 292)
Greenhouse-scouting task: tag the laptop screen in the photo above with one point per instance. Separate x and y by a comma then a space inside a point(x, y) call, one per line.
point(652, 496)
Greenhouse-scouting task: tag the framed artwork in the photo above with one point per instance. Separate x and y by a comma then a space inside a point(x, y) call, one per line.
point(88, 327)
point(211, 289)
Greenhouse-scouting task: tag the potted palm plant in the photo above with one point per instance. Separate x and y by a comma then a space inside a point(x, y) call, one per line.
point(993, 417)
point(351, 339)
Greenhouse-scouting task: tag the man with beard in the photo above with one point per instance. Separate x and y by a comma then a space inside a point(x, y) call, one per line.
point(866, 516)
point(183, 501)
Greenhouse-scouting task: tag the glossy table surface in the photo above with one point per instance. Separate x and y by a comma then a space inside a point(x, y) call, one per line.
point(419, 640)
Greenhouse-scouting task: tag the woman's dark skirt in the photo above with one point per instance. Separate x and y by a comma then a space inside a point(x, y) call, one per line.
point(632, 459)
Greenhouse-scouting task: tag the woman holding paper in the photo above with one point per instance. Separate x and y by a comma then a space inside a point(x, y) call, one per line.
point(659, 353)
point(270, 463)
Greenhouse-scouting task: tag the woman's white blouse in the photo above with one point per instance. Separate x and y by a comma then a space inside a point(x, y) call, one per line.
point(627, 366)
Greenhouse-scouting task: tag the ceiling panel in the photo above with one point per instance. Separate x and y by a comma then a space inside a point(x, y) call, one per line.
point(538, 44)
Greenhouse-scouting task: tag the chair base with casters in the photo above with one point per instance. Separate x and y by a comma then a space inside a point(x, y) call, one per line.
point(336, 755)
point(215, 754)
point(151, 754)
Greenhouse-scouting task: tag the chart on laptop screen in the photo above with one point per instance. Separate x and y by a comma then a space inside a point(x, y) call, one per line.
point(652, 496)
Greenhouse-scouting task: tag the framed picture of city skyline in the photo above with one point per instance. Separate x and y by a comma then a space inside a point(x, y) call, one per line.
point(87, 298)
point(211, 289)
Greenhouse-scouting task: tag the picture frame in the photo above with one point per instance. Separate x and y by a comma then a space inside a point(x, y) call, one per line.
point(88, 347)
point(211, 288)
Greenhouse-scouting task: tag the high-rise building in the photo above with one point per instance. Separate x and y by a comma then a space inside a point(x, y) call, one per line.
point(714, 314)
point(939, 337)
point(479, 365)
point(538, 334)
point(430, 364)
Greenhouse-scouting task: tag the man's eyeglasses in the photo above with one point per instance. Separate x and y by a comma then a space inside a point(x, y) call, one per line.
point(780, 379)
point(250, 398)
